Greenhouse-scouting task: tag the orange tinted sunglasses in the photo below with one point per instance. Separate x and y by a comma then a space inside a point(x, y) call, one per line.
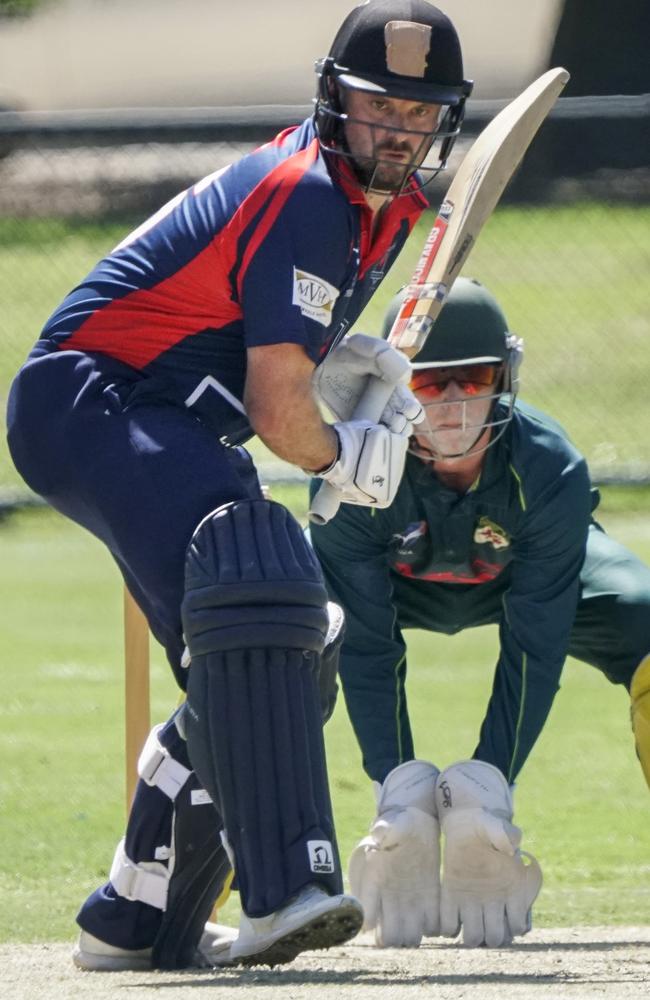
point(472, 379)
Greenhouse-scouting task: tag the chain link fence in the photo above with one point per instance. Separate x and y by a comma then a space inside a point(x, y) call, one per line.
point(567, 251)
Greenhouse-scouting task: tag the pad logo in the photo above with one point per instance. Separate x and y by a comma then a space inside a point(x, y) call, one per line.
point(321, 856)
point(314, 296)
point(489, 533)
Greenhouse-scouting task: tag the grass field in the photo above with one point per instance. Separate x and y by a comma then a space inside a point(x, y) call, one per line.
point(574, 283)
point(572, 279)
point(581, 799)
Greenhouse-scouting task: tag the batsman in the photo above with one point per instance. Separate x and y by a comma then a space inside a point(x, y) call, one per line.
point(492, 524)
point(223, 316)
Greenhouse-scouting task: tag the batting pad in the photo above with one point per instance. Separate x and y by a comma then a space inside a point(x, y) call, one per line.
point(640, 694)
point(255, 622)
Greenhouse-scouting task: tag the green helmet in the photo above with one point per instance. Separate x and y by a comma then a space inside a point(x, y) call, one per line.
point(470, 329)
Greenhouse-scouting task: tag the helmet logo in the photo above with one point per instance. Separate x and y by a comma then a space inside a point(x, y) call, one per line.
point(407, 47)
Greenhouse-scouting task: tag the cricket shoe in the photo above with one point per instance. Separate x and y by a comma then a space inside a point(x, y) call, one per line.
point(311, 920)
point(94, 955)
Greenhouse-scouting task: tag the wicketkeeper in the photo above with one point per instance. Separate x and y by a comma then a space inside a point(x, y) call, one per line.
point(492, 523)
point(203, 327)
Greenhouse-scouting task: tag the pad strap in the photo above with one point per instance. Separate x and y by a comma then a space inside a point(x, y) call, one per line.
point(158, 768)
point(136, 882)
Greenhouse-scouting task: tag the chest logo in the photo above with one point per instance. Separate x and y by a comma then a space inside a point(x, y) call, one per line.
point(489, 533)
point(314, 296)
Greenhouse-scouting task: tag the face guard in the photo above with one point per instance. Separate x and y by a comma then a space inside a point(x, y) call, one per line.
point(469, 343)
point(486, 380)
point(428, 155)
point(398, 49)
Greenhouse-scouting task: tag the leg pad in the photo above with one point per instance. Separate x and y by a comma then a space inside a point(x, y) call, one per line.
point(255, 622)
point(640, 712)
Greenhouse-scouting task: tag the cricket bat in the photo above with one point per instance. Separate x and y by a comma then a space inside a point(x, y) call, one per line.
point(470, 200)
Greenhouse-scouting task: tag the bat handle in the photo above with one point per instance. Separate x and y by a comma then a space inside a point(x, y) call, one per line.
point(327, 500)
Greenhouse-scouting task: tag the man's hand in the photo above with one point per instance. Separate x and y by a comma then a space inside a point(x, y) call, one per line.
point(487, 889)
point(343, 377)
point(394, 870)
point(370, 463)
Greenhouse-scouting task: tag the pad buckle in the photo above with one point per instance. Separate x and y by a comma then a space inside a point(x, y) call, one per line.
point(135, 883)
point(158, 769)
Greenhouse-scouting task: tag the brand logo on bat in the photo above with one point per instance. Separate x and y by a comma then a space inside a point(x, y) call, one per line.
point(320, 856)
point(314, 296)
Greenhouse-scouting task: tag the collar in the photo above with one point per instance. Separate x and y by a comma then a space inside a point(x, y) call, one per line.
point(407, 207)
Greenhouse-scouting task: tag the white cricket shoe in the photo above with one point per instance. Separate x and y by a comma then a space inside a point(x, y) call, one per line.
point(311, 920)
point(94, 955)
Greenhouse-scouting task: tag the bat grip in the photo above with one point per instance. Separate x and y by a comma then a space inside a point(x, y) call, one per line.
point(326, 501)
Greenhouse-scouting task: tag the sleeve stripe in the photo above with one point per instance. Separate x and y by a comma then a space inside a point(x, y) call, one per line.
point(399, 695)
point(522, 703)
point(281, 182)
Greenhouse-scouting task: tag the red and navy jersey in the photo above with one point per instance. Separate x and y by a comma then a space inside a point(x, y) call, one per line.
point(275, 248)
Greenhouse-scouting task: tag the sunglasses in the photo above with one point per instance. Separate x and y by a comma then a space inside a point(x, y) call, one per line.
point(472, 379)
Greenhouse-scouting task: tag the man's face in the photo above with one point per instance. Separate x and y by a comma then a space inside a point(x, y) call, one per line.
point(457, 402)
point(387, 137)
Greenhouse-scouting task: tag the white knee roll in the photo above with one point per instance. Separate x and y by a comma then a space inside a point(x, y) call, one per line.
point(158, 768)
point(147, 881)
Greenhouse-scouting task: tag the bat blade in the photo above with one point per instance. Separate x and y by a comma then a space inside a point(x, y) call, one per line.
point(470, 200)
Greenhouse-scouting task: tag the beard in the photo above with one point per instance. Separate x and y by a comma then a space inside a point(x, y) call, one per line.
point(382, 175)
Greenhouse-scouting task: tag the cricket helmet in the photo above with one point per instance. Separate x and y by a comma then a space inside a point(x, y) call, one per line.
point(471, 329)
point(403, 49)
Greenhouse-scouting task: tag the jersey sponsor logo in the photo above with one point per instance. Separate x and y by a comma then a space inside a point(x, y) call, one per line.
point(489, 533)
point(314, 296)
point(321, 856)
point(404, 543)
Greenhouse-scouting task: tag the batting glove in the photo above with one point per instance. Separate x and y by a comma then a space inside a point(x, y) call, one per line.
point(344, 376)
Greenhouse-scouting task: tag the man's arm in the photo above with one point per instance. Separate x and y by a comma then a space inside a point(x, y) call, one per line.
point(352, 549)
point(539, 609)
point(281, 407)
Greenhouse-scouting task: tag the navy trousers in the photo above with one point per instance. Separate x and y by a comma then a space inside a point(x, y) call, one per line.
point(105, 447)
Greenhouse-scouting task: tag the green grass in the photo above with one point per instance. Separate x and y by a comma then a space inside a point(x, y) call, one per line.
point(572, 280)
point(581, 799)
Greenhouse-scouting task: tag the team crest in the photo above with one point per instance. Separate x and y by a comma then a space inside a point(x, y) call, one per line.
point(314, 296)
point(489, 533)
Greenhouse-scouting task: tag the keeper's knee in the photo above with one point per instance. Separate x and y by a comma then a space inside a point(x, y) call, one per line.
point(640, 712)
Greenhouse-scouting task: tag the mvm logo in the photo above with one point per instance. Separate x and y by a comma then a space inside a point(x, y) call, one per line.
point(314, 296)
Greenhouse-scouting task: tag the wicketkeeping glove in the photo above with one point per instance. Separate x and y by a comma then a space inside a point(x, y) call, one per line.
point(394, 871)
point(487, 888)
point(343, 377)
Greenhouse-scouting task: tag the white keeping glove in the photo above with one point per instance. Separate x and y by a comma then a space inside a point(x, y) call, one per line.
point(487, 888)
point(343, 377)
point(394, 870)
point(370, 463)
